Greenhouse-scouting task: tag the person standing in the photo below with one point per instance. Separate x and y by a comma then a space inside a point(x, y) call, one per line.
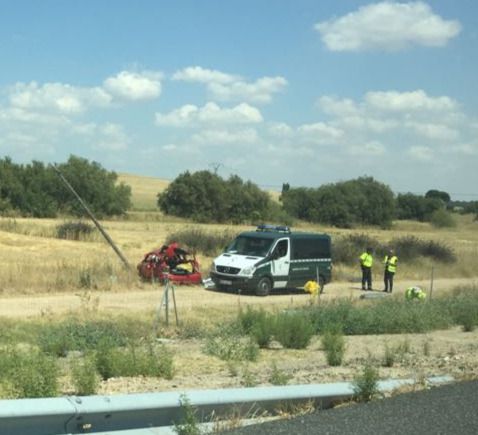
point(366, 261)
point(390, 262)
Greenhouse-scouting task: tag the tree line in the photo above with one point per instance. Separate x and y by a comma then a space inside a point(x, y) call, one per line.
point(206, 197)
point(36, 190)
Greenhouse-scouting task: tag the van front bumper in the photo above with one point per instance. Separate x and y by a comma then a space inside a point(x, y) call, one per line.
point(232, 282)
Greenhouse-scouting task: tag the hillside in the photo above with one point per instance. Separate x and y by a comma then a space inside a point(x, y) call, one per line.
point(144, 190)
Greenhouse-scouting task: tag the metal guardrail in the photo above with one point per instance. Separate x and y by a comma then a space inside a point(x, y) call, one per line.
point(141, 413)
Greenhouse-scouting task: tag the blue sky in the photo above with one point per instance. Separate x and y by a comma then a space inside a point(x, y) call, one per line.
point(306, 92)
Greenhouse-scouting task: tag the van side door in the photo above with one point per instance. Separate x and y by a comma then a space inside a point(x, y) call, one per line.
point(280, 263)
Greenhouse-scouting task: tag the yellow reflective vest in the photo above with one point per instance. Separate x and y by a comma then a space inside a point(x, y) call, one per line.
point(390, 263)
point(366, 259)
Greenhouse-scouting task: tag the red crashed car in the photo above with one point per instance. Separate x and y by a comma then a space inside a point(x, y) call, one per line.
point(172, 262)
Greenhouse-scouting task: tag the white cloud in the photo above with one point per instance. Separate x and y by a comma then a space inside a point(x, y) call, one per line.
point(467, 149)
point(335, 106)
point(435, 131)
point(204, 75)
point(387, 26)
point(56, 97)
point(260, 91)
point(112, 137)
point(422, 153)
point(210, 113)
point(226, 137)
point(169, 147)
point(408, 101)
point(229, 87)
point(280, 129)
point(320, 132)
point(373, 148)
point(134, 86)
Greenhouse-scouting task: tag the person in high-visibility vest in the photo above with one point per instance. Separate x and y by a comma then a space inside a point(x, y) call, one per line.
point(390, 261)
point(415, 292)
point(366, 262)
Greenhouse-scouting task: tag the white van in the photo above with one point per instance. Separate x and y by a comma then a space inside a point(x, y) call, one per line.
point(273, 257)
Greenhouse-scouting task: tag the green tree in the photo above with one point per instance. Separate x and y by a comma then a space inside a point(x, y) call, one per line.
point(206, 197)
point(417, 207)
point(438, 194)
point(343, 204)
point(36, 190)
point(96, 186)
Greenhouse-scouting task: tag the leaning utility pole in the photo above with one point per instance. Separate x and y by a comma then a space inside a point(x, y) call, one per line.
point(92, 217)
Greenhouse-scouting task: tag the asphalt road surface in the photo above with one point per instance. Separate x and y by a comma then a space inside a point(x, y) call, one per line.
point(450, 409)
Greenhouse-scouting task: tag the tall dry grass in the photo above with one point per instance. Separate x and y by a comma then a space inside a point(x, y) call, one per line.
point(32, 259)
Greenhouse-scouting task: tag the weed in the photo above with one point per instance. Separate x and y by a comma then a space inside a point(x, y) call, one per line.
point(248, 378)
point(389, 356)
point(294, 330)
point(230, 347)
point(258, 324)
point(442, 219)
point(84, 375)
point(135, 361)
point(28, 373)
point(189, 424)
point(74, 230)
point(277, 376)
point(334, 346)
point(58, 339)
point(365, 385)
point(426, 348)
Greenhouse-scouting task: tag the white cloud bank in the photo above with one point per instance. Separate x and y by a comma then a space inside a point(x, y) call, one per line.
point(134, 86)
point(56, 97)
point(210, 113)
point(228, 87)
point(387, 26)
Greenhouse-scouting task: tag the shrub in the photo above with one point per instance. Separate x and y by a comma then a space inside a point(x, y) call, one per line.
point(463, 307)
point(389, 356)
point(365, 385)
point(334, 346)
point(346, 249)
point(230, 347)
point(189, 424)
point(135, 361)
point(390, 316)
point(29, 373)
point(202, 241)
point(294, 330)
point(410, 248)
point(74, 230)
point(84, 376)
point(258, 324)
point(278, 377)
point(442, 219)
point(59, 339)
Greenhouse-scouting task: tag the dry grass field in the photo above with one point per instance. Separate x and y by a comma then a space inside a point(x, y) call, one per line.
point(144, 190)
point(45, 278)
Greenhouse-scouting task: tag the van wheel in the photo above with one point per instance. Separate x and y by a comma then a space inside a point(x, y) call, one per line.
point(264, 287)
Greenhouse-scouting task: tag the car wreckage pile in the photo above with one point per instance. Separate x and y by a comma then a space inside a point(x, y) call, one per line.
point(172, 263)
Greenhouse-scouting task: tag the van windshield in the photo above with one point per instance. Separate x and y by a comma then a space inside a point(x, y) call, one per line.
point(253, 246)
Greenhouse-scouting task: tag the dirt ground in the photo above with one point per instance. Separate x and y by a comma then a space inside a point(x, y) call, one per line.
point(451, 352)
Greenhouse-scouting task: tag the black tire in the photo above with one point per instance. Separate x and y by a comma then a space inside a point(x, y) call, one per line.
point(263, 287)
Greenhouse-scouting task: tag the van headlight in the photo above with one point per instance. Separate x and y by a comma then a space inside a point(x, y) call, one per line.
point(248, 271)
point(213, 267)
